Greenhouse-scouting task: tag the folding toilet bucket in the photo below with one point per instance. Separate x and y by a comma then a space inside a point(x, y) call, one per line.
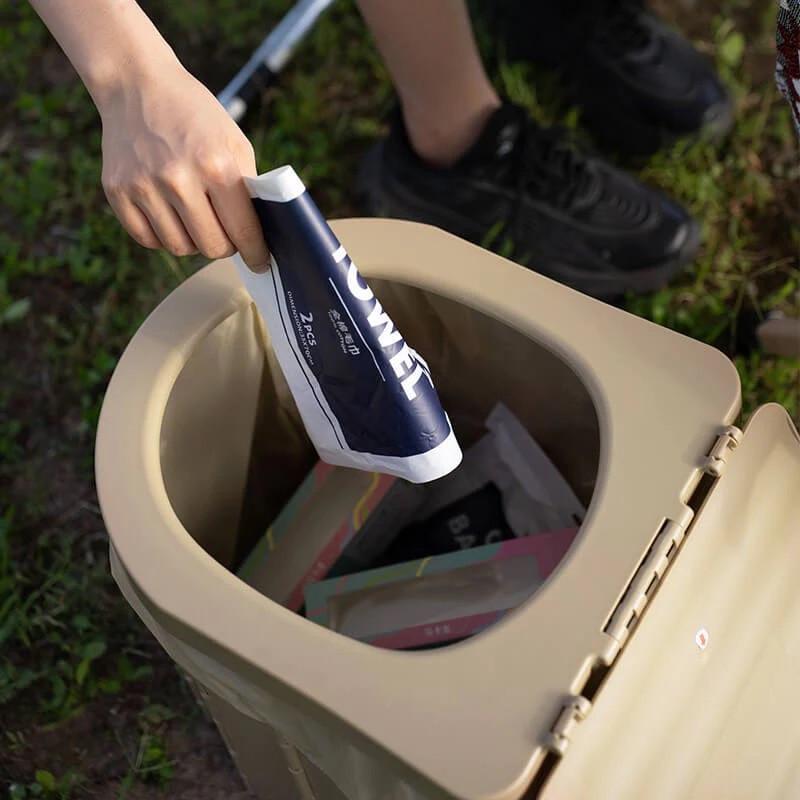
point(660, 658)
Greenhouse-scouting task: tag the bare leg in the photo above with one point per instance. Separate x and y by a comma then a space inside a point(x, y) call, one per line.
point(430, 51)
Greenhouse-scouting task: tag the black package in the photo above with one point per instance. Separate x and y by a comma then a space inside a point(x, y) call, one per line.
point(471, 521)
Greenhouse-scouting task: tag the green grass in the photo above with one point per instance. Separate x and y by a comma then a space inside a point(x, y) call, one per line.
point(73, 288)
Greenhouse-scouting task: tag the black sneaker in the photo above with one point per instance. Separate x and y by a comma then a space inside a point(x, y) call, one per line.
point(572, 217)
point(639, 83)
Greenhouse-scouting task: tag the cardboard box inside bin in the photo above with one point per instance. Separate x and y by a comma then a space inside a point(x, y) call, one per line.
point(334, 511)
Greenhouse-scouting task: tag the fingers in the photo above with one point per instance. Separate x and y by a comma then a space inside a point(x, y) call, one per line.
point(189, 199)
point(148, 216)
point(187, 207)
point(231, 201)
point(235, 211)
point(134, 221)
point(166, 223)
point(204, 227)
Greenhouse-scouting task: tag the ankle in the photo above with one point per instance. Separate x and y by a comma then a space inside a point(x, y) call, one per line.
point(442, 138)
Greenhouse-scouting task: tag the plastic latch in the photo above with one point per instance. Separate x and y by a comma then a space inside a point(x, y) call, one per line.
point(726, 442)
point(574, 711)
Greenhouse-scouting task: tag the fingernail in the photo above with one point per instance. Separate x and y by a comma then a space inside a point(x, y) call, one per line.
point(260, 269)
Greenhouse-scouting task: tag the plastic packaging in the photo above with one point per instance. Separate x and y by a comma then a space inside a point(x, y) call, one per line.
point(536, 497)
point(366, 397)
point(470, 521)
point(439, 598)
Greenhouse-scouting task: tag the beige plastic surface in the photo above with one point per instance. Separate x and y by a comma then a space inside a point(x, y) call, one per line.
point(273, 768)
point(471, 720)
point(205, 498)
point(322, 787)
point(675, 720)
point(257, 752)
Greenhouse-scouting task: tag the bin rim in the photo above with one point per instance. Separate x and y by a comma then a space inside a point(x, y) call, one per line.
point(659, 398)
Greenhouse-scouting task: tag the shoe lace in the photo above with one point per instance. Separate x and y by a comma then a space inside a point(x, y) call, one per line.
point(551, 167)
point(548, 167)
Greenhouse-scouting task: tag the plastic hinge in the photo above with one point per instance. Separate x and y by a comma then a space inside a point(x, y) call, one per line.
point(573, 712)
point(640, 589)
point(716, 460)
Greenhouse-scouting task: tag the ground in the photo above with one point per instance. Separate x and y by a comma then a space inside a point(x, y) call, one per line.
point(89, 705)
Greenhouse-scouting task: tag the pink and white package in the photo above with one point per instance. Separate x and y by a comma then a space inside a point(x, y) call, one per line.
point(438, 599)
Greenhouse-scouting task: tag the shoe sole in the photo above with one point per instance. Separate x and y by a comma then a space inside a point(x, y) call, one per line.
point(718, 122)
point(380, 200)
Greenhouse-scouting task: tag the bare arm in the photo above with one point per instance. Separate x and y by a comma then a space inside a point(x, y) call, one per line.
point(173, 160)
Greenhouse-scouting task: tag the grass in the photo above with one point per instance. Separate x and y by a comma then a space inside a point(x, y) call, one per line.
point(73, 288)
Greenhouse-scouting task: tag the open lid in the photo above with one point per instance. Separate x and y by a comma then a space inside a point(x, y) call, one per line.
point(703, 701)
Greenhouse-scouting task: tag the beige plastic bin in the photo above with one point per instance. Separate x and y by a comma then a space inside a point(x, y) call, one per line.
point(660, 660)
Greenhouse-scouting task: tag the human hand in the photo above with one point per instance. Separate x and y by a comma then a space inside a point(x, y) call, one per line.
point(173, 167)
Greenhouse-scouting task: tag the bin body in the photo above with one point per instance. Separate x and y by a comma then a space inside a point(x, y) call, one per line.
point(199, 444)
point(272, 766)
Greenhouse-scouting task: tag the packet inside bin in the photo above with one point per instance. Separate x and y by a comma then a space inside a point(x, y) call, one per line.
point(437, 599)
point(348, 543)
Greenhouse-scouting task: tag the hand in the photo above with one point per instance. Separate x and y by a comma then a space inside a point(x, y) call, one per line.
point(173, 163)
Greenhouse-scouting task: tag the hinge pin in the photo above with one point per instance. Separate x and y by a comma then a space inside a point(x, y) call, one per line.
point(728, 440)
point(575, 711)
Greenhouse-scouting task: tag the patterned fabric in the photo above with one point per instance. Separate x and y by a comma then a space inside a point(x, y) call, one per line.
point(787, 74)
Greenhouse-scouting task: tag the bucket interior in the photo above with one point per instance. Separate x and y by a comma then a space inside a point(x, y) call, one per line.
point(233, 448)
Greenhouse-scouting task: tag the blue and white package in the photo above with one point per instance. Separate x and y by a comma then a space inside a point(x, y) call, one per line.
point(366, 397)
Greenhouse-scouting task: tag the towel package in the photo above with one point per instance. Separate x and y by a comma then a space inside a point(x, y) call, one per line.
point(365, 396)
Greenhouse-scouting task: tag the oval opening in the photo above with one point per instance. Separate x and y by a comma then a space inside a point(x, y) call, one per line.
point(245, 482)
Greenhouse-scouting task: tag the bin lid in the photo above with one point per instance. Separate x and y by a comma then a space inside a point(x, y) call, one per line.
point(703, 701)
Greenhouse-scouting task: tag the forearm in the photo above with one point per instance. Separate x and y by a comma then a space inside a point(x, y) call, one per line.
point(172, 182)
point(111, 43)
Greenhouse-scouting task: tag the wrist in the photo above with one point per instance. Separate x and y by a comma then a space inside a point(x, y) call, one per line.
point(109, 77)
